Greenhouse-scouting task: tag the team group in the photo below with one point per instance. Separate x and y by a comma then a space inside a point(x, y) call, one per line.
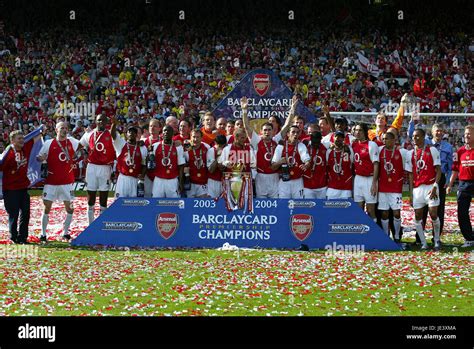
point(323, 162)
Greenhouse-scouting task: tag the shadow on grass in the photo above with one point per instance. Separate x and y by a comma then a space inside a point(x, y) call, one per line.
point(407, 247)
point(67, 246)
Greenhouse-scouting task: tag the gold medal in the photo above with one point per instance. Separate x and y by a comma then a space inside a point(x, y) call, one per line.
point(130, 170)
point(389, 179)
point(13, 172)
point(199, 175)
point(168, 171)
point(291, 173)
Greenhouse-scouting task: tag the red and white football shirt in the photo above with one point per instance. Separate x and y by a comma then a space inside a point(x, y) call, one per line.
point(130, 158)
point(197, 160)
point(60, 161)
point(365, 154)
point(316, 176)
point(15, 168)
point(264, 153)
point(101, 148)
point(340, 169)
point(295, 154)
point(422, 163)
point(393, 164)
point(168, 158)
point(463, 162)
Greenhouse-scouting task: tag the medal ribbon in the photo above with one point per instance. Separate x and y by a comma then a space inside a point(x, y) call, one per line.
point(418, 170)
point(385, 159)
point(132, 158)
point(315, 158)
point(293, 155)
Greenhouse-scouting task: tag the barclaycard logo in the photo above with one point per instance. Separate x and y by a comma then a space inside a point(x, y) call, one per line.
point(132, 202)
point(337, 204)
point(349, 228)
point(122, 226)
point(172, 203)
point(300, 204)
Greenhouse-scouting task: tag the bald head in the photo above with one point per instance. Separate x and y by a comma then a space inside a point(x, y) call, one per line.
point(101, 121)
point(221, 124)
point(61, 124)
point(62, 129)
point(173, 122)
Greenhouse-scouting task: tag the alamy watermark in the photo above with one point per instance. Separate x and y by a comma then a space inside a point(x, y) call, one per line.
point(9, 252)
point(392, 107)
point(76, 109)
point(344, 251)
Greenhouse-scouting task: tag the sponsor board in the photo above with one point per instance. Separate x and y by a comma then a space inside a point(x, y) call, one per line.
point(336, 204)
point(207, 223)
point(167, 224)
point(261, 84)
point(171, 203)
point(301, 225)
point(122, 226)
point(300, 204)
point(267, 96)
point(135, 202)
point(348, 228)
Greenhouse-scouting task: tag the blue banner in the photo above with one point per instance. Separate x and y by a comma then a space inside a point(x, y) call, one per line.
point(205, 223)
point(267, 95)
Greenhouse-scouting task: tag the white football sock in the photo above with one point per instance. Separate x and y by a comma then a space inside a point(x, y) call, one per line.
point(420, 232)
point(90, 214)
point(385, 226)
point(397, 223)
point(44, 223)
point(436, 229)
point(67, 223)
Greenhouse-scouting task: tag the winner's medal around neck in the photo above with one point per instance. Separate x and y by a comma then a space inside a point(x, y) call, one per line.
point(420, 163)
point(291, 160)
point(269, 152)
point(166, 161)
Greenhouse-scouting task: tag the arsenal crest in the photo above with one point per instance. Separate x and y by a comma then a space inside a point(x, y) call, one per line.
point(261, 84)
point(301, 225)
point(167, 224)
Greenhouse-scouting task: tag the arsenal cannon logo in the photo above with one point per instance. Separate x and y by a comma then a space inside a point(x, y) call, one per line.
point(167, 224)
point(301, 225)
point(261, 84)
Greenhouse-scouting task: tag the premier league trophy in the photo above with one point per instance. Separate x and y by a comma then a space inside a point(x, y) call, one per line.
point(238, 188)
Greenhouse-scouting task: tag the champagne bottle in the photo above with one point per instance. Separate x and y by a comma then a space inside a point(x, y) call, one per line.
point(285, 173)
point(187, 182)
point(44, 170)
point(140, 188)
point(151, 164)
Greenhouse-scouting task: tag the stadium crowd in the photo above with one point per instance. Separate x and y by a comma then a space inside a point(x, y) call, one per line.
point(137, 74)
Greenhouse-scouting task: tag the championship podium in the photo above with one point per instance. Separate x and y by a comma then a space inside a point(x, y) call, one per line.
point(207, 223)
